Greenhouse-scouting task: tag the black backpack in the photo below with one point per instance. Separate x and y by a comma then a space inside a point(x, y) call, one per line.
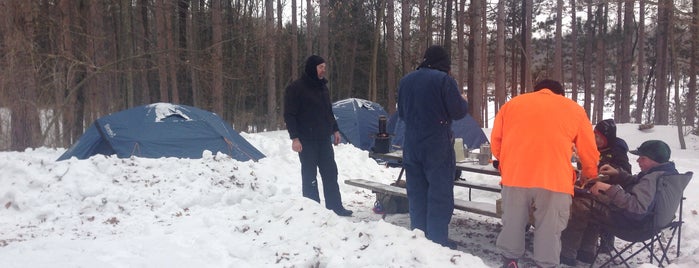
point(391, 204)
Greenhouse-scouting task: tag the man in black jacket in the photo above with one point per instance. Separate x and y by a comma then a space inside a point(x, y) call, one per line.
point(613, 150)
point(311, 124)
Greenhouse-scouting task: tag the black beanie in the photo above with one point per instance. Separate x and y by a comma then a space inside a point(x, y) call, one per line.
point(552, 85)
point(607, 128)
point(436, 57)
point(311, 63)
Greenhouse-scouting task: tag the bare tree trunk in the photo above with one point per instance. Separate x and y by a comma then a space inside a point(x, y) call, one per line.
point(182, 67)
point(97, 91)
point(373, 72)
point(271, 74)
point(352, 63)
point(500, 90)
point(66, 101)
point(675, 80)
point(324, 30)
point(515, 49)
point(475, 94)
point(661, 116)
point(641, 61)
point(280, 54)
point(558, 50)
point(391, 64)
point(574, 52)
point(484, 64)
point(618, 47)
point(126, 51)
point(422, 36)
point(171, 52)
point(692, 86)
point(470, 63)
point(294, 41)
point(626, 64)
point(600, 66)
point(406, 48)
point(194, 46)
point(309, 27)
point(460, 44)
point(20, 77)
point(526, 46)
point(587, 61)
point(161, 23)
point(145, 49)
point(217, 56)
point(448, 27)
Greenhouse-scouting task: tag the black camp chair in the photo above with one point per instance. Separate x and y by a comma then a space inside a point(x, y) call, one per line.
point(658, 239)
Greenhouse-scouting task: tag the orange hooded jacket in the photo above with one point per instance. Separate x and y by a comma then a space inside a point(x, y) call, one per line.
point(533, 136)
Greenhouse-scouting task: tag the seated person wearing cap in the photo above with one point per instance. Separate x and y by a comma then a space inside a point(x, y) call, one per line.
point(622, 201)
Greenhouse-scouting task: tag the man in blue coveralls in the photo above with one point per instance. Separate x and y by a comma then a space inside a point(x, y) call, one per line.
point(428, 102)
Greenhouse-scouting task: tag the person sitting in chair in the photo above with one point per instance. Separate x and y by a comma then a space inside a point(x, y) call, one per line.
point(622, 201)
point(613, 151)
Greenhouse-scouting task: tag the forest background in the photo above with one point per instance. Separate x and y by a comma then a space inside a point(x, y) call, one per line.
point(65, 63)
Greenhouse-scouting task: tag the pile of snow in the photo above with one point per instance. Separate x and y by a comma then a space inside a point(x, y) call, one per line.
point(218, 212)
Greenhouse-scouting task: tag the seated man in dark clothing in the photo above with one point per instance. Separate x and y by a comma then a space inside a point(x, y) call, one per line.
point(613, 151)
point(624, 201)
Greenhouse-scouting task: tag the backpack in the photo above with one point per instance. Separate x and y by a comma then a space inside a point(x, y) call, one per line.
point(391, 204)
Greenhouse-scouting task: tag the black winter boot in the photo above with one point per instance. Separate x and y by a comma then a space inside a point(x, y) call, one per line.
point(606, 242)
point(568, 261)
point(343, 212)
point(586, 256)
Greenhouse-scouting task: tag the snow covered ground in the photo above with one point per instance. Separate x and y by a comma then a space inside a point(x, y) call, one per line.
point(218, 212)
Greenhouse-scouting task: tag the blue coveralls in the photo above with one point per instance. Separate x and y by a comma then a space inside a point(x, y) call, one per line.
point(428, 101)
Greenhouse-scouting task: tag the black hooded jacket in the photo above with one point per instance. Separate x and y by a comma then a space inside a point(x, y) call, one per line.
point(307, 108)
point(616, 151)
point(615, 155)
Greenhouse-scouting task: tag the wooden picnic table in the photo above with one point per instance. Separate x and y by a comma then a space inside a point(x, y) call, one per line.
point(467, 165)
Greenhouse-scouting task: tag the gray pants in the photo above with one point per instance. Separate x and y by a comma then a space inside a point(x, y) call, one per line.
point(551, 211)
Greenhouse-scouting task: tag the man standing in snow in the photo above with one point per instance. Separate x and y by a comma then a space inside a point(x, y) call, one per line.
point(311, 124)
point(428, 102)
point(531, 138)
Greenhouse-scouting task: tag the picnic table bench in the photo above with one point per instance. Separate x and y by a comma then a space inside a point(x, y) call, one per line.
point(466, 165)
point(482, 208)
point(487, 209)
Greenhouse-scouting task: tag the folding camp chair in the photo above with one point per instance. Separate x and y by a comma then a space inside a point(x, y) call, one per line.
point(657, 240)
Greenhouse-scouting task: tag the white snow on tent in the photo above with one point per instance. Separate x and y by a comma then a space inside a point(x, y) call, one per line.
point(360, 103)
point(165, 110)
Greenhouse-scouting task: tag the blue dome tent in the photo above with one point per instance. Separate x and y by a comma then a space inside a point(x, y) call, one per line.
point(161, 130)
point(358, 121)
point(466, 128)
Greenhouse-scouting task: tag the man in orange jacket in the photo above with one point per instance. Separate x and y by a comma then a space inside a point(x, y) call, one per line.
point(532, 138)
